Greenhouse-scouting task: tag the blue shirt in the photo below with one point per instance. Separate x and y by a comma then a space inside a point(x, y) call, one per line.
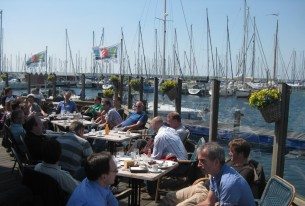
point(134, 118)
point(91, 193)
point(63, 106)
point(230, 188)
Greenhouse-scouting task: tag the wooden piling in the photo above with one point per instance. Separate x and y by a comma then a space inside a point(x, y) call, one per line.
point(156, 93)
point(121, 85)
point(29, 83)
point(179, 96)
point(83, 82)
point(141, 88)
point(54, 86)
point(129, 102)
point(279, 141)
point(6, 79)
point(214, 110)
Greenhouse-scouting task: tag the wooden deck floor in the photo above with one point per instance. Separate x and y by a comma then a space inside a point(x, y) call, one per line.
point(12, 192)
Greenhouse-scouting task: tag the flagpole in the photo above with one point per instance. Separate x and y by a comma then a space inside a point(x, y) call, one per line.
point(121, 59)
point(46, 59)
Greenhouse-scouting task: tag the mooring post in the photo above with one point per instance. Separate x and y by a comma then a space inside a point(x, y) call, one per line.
point(82, 92)
point(156, 94)
point(29, 83)
point(179, 96)
point(54, 86)
point(6, 79)
point(141, 88)
point(121, 84)
point(280, 133)
point(214, 110)
point(129, 102)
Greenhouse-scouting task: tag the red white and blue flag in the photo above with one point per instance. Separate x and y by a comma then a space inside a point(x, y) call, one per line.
point(106, 52)
point(39, 57)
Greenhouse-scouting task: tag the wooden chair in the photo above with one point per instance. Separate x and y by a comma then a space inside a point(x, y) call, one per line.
point(278, 192)
point(124, 194)
point(46, 190)
point(20, 157)
point(187, 169)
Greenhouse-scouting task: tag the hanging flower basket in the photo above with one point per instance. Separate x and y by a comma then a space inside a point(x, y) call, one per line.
point(51, 77)
point(169, 87)
point(108, 93)
point(115, 81)
point(268, 102)
point(3, 76)
point(272, 112)
point(172, 94)
point(135, 84)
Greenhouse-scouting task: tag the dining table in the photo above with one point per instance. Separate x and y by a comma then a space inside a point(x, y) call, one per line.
point(148, 173)
point(113, 137)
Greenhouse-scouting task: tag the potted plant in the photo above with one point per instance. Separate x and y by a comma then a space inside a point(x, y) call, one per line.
point(169, 87)
point(115, 81)
point(51, 77)
point(3, 76)
point(108, 93)
point(268, 103)
point(135, 84)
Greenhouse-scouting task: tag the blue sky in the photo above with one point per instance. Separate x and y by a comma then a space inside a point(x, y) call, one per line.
point(29, 26)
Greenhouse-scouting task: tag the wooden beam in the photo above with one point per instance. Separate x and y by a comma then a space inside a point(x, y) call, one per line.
point(214, 110)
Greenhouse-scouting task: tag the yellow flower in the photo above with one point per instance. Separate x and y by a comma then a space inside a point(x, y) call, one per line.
point(264, 97)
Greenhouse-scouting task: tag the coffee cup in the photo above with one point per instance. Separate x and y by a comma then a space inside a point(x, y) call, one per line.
point(154, 167)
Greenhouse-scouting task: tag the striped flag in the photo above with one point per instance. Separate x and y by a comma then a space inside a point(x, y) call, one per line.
point(106, 52)
point(39, 57)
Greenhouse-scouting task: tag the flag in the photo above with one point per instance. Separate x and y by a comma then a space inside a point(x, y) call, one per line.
point(39, 57)
point(106, 52)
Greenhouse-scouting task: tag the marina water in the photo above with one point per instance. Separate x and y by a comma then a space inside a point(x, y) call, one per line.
point(294, 164)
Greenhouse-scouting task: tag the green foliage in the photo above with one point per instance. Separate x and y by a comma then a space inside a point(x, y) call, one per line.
point(114, 79)
point(167, 85)
point(3, 76)
point(108, 93)
point(51, 77)
point(264, 97)
point(135, 84)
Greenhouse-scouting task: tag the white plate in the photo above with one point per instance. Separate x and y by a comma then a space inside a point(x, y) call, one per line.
point(166, 165)
point(121, 132)
point(155, 171)
point(125, 158)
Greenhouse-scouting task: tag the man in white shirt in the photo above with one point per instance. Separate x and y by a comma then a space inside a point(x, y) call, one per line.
point(50, 155)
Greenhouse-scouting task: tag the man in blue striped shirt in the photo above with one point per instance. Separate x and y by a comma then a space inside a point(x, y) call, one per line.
point(74, 149)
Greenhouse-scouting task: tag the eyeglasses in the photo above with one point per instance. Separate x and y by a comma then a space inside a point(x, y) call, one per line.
point(137, 106)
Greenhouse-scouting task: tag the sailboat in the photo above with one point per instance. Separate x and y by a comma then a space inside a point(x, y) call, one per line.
point(242, 90)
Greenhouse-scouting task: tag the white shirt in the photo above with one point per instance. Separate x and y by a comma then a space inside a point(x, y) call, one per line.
point(167, 141)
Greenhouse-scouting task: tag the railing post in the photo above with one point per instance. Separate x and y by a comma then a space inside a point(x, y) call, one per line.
point(129, 102)
point(54, 86)
point(214, 110)
point(179, 96)
point(121, 85)
point(6, 80)
point(83, 82)
point(156, 94)
point(29, 83)
point(141, 88)
point(279, 141)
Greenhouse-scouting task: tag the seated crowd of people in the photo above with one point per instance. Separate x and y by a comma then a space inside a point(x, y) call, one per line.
point(86, 171)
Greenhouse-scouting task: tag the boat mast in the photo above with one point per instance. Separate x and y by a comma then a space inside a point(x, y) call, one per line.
point(66, 61)
point(253, 51)
point(1, 42)
point(164, 41)
point(244, 44)
point(275, 51)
